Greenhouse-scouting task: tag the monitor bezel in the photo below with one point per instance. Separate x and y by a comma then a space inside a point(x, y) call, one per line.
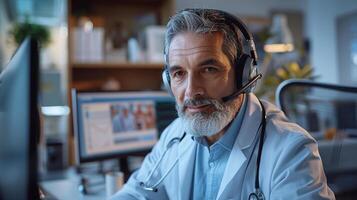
point(34, 118)
point(80, 159)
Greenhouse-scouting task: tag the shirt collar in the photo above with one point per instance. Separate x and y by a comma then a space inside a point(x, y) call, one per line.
point(229, 137)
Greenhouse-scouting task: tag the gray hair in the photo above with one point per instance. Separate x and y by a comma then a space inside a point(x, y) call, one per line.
point(203, 21)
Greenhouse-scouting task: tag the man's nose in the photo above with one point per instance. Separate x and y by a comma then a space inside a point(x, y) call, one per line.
point(194, 87)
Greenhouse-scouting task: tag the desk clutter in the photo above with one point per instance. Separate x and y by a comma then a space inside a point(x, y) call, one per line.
point(91, 181)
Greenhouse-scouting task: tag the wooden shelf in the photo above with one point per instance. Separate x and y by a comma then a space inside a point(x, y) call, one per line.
point(113, 65)
point(128, 17)
point(140, 2)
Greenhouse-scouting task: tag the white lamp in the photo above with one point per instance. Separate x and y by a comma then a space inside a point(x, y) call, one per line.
point(281, 40)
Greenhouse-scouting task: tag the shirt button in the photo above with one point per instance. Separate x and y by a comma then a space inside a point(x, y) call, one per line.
point(211, 164)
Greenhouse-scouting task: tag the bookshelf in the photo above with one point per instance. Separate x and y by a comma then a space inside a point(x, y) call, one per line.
point(133, 16)
point(118, 65)
point(114, 21)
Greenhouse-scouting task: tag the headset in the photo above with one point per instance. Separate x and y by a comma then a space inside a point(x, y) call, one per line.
point(245, 65)
point(246, 75)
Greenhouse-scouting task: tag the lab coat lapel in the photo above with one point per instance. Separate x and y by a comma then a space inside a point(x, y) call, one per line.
point(244, 140)
point(186, 151)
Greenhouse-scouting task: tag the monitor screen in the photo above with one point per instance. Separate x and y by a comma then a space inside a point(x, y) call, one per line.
point(119, 123)
point(19, 124)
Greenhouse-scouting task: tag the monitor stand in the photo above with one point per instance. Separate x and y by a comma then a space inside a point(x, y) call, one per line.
point(124, 167)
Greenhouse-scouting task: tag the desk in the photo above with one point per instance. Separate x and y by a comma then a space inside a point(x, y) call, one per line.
point(338, 155)
point(66, 188)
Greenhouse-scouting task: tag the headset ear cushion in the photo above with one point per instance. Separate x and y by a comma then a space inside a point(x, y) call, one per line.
point(166, 80)
point(246, 71)
point(249, 72)
point(239, 69)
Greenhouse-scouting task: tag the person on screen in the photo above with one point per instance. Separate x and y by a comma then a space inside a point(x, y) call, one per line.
point(140, 117)
point(226, 143)
point(116, 116)
point(149, 117)
point(127, 120)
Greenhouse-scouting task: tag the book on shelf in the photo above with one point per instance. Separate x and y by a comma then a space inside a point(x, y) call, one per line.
point(88, 45)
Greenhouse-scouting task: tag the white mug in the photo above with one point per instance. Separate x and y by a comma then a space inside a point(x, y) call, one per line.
point(113, 182)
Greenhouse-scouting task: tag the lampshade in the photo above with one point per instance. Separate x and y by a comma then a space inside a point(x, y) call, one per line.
point(281, 39)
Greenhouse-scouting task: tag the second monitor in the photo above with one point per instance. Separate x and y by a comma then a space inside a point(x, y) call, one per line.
point(114, 124)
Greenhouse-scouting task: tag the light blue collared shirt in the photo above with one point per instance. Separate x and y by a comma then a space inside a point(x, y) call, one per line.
point(211, 161)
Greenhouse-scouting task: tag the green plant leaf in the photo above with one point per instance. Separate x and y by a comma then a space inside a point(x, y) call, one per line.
point(20, 31)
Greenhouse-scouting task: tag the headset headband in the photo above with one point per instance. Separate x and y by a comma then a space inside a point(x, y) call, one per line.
point(238, 23)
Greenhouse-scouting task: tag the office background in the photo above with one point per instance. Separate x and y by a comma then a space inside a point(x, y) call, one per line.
point(324, 35)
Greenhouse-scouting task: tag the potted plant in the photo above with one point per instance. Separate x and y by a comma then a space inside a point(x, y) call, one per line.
point(291, 70)
point(20, 31)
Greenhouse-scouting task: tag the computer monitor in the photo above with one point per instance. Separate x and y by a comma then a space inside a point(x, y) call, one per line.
point(117, 124)
point(346, 113)
point(19, 124)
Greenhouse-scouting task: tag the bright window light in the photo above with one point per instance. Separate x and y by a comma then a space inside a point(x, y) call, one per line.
point(55, 110)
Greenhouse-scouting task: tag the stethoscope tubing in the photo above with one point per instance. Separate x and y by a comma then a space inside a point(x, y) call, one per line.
point(258, 191)
point(257, 194)
point(168, 146)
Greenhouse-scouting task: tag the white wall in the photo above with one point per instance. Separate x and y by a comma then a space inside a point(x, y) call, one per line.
point(321, 26)
point(260, 8)
point(56, 54)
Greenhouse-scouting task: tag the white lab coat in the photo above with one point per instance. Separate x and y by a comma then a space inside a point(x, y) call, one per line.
point(291, 167)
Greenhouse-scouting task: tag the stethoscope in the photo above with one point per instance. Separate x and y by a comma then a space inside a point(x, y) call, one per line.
point(153, 188)
point(256, 195)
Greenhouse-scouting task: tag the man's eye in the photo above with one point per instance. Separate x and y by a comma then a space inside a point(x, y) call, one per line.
point(210, 69)
point(178, 74)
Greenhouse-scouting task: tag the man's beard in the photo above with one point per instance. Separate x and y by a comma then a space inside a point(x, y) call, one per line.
point(206, 123)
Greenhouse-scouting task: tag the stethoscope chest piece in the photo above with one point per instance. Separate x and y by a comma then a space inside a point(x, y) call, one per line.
point(143, 186)
point(257, 195)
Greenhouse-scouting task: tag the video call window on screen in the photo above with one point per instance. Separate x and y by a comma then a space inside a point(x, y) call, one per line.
point(113, 124)
point(132, 116)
